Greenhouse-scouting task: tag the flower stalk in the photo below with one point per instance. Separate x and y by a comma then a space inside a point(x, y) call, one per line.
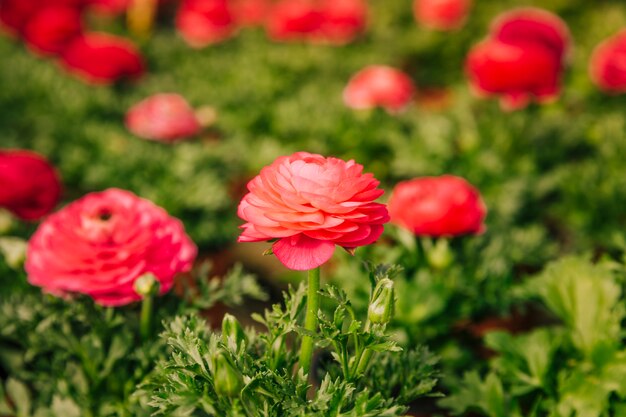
point(147, 286)
point(310, 320)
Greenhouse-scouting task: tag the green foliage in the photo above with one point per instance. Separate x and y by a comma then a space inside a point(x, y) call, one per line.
point(573, 368)
point(350, 384)
point(71, 358)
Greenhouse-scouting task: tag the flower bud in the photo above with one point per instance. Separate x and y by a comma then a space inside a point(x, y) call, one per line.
point(232, 332)
point(146, 285)
point(380, 310)
point(228, 379)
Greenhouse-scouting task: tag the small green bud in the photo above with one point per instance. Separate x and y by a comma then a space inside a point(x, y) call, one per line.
point(380, 310)
point(439, 256)
point(228, 379)
point(146, 285)
point(232, 332)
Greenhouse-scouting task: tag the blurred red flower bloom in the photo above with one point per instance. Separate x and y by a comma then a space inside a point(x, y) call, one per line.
point(437, 206)
point(108, 7)
point(291, 20)
point(250, 12)
point(163, 117)
point(441, 14)
point(100, 244)
point(29, 185)
point(342, 20)
point(521, 60)
point(99, 58)
point(49, 30)
point(205, 22)
point(607, 67)
point(379, 86)
point(310, 204)
point(324, 21)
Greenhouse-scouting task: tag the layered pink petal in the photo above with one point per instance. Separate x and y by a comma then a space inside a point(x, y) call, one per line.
point(302, 253)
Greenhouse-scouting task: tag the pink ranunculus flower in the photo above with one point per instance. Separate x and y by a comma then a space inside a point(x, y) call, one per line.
point(607, 66)
point(205, 22)
point(379, 86)
point(108, 7)
point(437, 206)
point(100, 244)
point(522, 59)
point(29, 185)
point(310, 204)
point(441, 14)
point(251, 12)
point(163, 117)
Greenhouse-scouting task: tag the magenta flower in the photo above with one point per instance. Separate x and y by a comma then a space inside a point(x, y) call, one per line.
point(310, 204)
point(163, 117)
point(100, 244)
point(379, 86)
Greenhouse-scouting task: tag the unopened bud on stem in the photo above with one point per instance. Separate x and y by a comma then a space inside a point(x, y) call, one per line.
point(232, 332)
point(228, 379)
point(381, 305)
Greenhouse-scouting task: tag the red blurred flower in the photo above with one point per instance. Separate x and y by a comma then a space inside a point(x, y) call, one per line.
point(532, 25)
point(523, 59)
point(342, 20)
point(99, 58)
point(250, 12)
point(310, 204)
point(441, 14)
point(29, 185)
point(162, 117)
point(100, 244)
point(108, 7)
point(14, 14)
point(379, 86)
point(437, 206)
point(325, 21)
point(205, 22)
point(291, 20)
point(49, 30)
point(607, 67)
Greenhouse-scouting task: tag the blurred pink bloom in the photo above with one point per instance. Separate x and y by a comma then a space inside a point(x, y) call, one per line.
point(52, 28)
point(162, 117)
point(437, 206)
point(205, 22)
point(99, 58)
point(379, 86)
point(342, 20)
point(293, 20)
point(100, 244)
point(15, 14)
point(607, 67)
point(310, 204)
point(441, 14)
point(29, 186)
point(523, 59)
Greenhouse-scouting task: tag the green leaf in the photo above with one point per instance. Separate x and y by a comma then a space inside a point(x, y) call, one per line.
point(19, 394)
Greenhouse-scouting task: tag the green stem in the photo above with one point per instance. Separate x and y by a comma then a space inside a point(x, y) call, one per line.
point(310, 320)
point(145, 321)
point(365, 356)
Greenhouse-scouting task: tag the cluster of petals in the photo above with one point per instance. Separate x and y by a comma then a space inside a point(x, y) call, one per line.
point(379, 86)
point(441, 14)
point(309, 204)
point(164, 117)
point(437, 206)
point(206, 22)
point(100, 244)
point(607, 67)
point(55, 28)
point(29, 185)
point(522, 59)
